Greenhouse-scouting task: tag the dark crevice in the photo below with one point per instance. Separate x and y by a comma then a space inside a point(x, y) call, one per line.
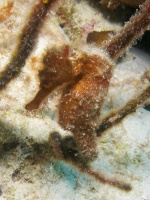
point(10, 145)
point(147, 107)
point(1, 192)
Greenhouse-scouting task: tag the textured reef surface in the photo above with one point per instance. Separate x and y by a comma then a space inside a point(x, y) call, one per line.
point(58, 70)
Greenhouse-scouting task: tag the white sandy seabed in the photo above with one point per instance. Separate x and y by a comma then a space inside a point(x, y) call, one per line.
point(123, 150)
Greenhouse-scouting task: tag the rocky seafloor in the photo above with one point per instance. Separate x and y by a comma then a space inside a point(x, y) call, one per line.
point(28, 168)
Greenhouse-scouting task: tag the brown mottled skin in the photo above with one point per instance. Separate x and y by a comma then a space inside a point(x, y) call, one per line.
point(82, 98)
point(53, 75)
point(81, 102)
